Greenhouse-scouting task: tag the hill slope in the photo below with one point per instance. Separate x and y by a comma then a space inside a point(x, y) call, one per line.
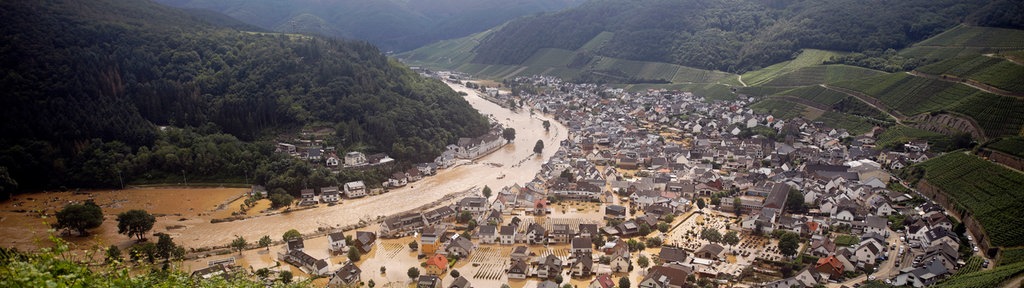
point(734, 36)
point(391, 24)
point(113, 70)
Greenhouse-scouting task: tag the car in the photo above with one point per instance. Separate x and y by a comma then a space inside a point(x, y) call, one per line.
point(985, 264)
point(975, 249)
point(871, 278)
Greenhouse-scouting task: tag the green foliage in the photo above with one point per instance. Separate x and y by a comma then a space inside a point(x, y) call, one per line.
point(413, 245)
point(710, 234)
point(113, 254)
point(642, 261)
point(413, 273)
point(390, 24)
point(624, 282)
point(547, 125)
point(239, 244)
point(731, 238)
point(847, 240)
point(128, 66)
point(700, 203)
point(56, 268)
point(789, 243)
point(291, 235)
point(985, 278)
point(539, 147)
point(265, 242)
point(487, 191)
point(888, 60)
point(354, 255)
point(1009, 145)
point(509, 134)
point(278, 200)
point(285, 276)
point(895, 137)
point(993, 71)
point(721, 35)
point(1011, 255)
point(135, 223)
point(911, 95)
point(80, 217)
point(989, 192)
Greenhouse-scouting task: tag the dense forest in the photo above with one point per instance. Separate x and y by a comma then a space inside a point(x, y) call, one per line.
point(397, 25)
point(737, 36)
point(86, 84)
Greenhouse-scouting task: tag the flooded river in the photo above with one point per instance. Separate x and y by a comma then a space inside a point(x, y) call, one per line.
point(201, 233)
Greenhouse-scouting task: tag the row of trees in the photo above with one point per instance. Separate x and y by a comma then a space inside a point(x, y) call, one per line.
point(88, 215)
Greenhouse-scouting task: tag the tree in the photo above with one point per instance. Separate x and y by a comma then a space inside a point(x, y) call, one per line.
point(371, 284)
point(113, 254)
point(644, 229)
point(509, 134)
point(624, 282)
point(547, 125)
point(239, 244)
point(413, 273)
point(165, 246)
point(454, 273)
point(712, 235)
point(663, 227)
point(465, 216)
point(354, 255)
point(278, 200)
point(558, 278)
point(263, 273)
point(265, 242)
point(291, 235)
point(135, 223)
point(285, 276)
point(701, 204)
point(80, 217)
point(413, 245)
point(487, 191)
point(795, 201)
point(643, 261)
point(731, 238)
point(539, 147)
point(788, 244)
point(383, 269)
point(737, 205)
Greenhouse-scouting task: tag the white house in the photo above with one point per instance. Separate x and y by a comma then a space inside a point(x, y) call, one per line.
point(355, 189)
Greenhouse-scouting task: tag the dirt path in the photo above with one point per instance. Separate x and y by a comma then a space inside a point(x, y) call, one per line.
point(740, 78)
point(875, 103)
point(971, 83)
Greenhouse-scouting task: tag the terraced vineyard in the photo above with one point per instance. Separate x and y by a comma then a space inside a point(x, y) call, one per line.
point(1010, 145)
point(966, 41)
point(911, 95)
point(990, 192)
point(808, 58)
point(814, 75)
point(1010, 256)
point(902, 134)
point(779, 108)
point(854, 124)
point(816, 94)
point(985, 279)
point(997, 72)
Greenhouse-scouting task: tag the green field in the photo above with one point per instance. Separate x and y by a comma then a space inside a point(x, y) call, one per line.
point(816, 94)
point(448, 54)
point(818, 74)
point(991, 193)
point(997, 72)
point(856, 125)
point(709, 91)
point(984, 278)
point(781, 109)
point(597, 42)
point(911, 95)
point(1009, 145)
point(903, 134)
point(807, 58)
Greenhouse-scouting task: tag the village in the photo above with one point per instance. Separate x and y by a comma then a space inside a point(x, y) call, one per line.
point(664, 189)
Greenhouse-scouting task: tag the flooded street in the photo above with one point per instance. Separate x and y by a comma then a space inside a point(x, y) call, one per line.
point(483, 171)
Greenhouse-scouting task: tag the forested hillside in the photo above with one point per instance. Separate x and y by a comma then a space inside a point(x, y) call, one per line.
point(733, 36)
point(390, 24)
point(99, 76)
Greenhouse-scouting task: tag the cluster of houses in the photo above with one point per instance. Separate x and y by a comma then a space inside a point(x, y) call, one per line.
point(658, 152)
